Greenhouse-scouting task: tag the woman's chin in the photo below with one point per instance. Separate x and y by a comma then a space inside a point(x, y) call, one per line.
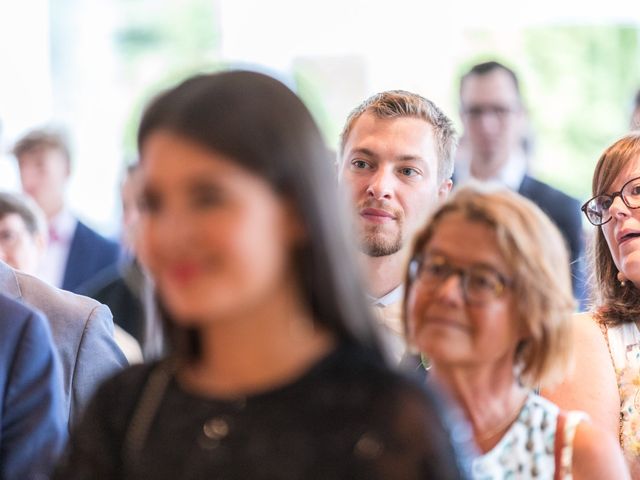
point(631, 269)
point(184, 314)
point(195, 315)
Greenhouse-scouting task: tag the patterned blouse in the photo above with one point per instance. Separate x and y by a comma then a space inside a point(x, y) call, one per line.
point(624, 345)
point(527, 450)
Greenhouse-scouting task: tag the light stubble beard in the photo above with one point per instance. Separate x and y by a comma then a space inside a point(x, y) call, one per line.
point(374, 242)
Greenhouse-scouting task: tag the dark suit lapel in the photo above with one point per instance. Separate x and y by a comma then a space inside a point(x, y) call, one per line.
point(74, 264)
point(526, 187)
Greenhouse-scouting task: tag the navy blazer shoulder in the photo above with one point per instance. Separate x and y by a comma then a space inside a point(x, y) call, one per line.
point(33, 418)
point(563, 209)
point(89, 253)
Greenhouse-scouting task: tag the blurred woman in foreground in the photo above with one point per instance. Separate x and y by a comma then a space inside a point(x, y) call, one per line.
point(276, 371)
point(489, 303)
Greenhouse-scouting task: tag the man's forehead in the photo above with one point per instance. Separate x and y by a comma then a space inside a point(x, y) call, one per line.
point(42, 154)
point(369, 128)
point(489, 87)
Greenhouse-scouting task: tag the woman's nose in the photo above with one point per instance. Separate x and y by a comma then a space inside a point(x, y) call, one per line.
point(618, 208)
point(451, 290)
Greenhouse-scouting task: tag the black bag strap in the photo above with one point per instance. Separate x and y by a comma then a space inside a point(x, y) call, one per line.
point(146, 409)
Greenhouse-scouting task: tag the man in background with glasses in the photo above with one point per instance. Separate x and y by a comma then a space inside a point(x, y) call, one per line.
point(496, 143)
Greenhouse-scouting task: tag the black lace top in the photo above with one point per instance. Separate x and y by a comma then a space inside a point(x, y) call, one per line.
point(348, 417)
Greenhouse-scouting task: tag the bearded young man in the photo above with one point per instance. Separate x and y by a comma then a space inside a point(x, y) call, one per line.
point(396, 161)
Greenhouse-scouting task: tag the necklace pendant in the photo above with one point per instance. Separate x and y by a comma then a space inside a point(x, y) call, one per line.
point(216, 428)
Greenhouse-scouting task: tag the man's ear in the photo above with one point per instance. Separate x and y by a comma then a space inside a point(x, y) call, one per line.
point(523, 119)
point(68, 167)
point(444, 189)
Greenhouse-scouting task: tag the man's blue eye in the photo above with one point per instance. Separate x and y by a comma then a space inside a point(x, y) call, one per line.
point(408, 172)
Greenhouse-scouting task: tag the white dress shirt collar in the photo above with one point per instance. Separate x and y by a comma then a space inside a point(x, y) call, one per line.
point(393, 296)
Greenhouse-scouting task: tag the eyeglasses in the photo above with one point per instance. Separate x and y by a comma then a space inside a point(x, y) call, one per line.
point(501, 112)
point(597, 208)
point(480, 284)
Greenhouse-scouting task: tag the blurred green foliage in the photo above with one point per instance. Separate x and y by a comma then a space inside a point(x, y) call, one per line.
point(161, 46)
point(582, 81)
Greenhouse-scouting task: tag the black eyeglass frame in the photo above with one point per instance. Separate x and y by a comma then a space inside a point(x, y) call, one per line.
point(611, 196)
point(417, 263)
point(501, 112)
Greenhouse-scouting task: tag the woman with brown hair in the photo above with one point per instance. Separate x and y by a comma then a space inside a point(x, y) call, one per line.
point(606, 379)
point(489, 304)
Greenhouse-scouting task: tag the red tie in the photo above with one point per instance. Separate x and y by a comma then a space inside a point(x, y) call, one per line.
point(54, 237)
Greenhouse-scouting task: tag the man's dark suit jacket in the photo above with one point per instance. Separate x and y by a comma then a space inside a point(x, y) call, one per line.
point(33, 419)
point(120, 287)
point(565, 213)
point(89, 253)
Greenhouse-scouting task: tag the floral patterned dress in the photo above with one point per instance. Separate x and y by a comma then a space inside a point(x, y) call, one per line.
point(527, 450)
point(624, 345)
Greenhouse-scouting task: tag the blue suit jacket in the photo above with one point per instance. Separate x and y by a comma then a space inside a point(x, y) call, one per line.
point(89, 253)
point(32, 414)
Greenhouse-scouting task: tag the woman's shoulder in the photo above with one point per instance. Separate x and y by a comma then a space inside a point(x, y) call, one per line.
point(416, 419)
point(364, 369)
point(596, 454)
point(131, 377)
point(586, 323)
point(364, 381)
point(118, 395)
point(590, 383)
point(589, 336)
point(590, 323)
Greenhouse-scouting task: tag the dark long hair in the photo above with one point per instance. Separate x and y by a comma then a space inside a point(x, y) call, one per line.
point(263, 126)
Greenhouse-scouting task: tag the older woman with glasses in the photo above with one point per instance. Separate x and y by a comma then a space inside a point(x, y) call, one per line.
point(606, 380)
point(489, 302)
